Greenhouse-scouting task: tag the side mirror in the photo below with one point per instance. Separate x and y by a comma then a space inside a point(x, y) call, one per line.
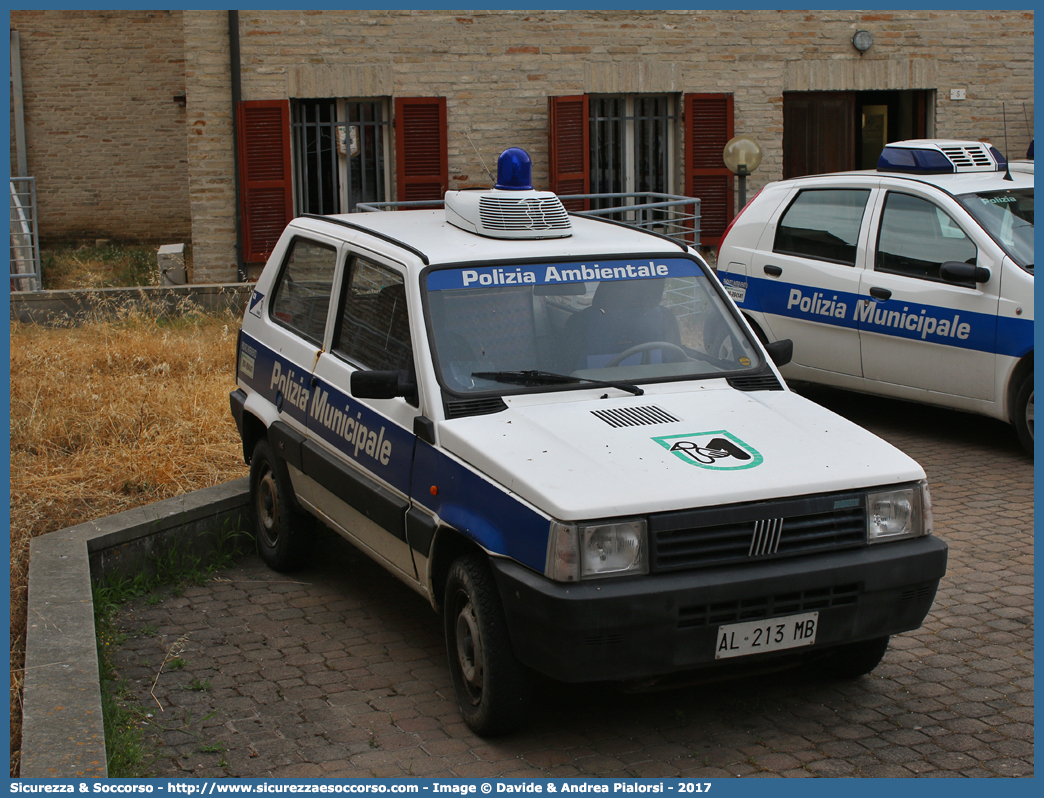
point(957, 272)
point(781, 352)
point(382, 385)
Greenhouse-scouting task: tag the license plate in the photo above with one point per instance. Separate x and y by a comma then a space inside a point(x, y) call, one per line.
point(771, 634)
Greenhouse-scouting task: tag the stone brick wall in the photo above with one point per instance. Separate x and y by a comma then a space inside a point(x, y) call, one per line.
point(105, 137)
point(210, 144)
point(497, 69)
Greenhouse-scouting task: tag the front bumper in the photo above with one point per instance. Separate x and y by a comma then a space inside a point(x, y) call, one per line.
point(642, 627)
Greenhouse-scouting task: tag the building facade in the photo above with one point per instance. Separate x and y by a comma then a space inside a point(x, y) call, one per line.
point(289, 112)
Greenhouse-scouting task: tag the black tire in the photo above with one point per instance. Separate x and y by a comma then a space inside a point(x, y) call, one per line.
point(856, 659)
point(492, 687)
point(1024, 413)
point(282, 529)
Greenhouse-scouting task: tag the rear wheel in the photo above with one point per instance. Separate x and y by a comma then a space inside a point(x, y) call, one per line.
point(856, 659)
point(281, 527)
point(1024, 413)
point(491, 686)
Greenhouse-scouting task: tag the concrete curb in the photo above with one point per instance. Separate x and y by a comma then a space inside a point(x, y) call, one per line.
point(62, 728)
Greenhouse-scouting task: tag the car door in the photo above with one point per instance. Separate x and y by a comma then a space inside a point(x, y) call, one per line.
point(916, 328)
point(295, 329)
point(363, 453)
point(807, 276)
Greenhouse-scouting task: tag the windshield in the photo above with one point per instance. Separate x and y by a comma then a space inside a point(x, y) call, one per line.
point(1008, 217)
point(525, 327)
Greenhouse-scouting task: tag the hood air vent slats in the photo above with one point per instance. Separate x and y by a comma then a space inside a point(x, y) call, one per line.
point(756, 382)
point(459, 408)
point(634, 416)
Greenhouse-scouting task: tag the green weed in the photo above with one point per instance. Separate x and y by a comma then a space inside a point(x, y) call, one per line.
point(126, 750)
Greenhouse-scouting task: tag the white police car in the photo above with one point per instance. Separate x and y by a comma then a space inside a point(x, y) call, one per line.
point(517, 413)
point(913, 281)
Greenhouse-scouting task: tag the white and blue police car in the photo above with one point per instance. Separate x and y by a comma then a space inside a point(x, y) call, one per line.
point(527, 417)
point(914, 281)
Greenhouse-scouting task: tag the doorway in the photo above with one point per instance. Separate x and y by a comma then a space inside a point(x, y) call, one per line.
point(836, 131)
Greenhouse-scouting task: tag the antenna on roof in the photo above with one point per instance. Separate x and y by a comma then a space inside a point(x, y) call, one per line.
point(492, 179)
point(1007, 170)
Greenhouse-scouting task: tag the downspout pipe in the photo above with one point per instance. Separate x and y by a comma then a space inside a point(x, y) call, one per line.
point(18, 104)
point(237, 96)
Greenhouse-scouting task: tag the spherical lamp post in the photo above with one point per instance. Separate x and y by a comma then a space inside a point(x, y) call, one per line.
point(742, 156)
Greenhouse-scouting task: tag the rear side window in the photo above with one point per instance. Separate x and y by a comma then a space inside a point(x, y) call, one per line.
point(302, 296)
point(822, 224)
point(374, 327)
point(917, 237)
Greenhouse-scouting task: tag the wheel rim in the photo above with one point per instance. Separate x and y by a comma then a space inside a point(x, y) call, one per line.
point(469, 651)
point(1029, 415)
point(268, 508)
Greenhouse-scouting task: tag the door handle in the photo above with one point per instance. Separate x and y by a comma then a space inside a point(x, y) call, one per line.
point(773, 271)
point(880, 293)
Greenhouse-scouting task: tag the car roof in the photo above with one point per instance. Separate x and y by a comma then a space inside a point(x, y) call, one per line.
point(428, 234)
point(959, 183)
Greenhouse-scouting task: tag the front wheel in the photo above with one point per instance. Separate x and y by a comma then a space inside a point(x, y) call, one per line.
point(1024, 413)
point(491, 686)
point(281, 527)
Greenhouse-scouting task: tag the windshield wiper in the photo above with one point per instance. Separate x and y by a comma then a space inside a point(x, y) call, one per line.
point(534, 377)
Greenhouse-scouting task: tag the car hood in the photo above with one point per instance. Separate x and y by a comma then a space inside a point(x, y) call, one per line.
point(575, 455)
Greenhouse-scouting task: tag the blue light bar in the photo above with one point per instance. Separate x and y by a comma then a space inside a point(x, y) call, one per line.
point(514, 170)
point(1000, 159)
point(924, 162)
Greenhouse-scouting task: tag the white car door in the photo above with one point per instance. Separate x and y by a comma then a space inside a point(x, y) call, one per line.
point(916, 328)
point(807, 276)
point(293, 334)
point(362, 466)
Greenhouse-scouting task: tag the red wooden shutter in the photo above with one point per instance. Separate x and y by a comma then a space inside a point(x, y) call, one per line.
point(265, 180)
point(421, 148)
point(569, 148)
point(708, 128)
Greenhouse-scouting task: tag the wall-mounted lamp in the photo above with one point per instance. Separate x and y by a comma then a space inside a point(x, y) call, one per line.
point(862, 40)
point(742, 156)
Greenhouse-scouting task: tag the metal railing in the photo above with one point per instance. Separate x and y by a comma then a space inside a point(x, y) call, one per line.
point(672, 215)
point(25, 236)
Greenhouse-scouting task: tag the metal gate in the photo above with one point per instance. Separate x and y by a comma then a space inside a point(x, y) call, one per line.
point(25, 236)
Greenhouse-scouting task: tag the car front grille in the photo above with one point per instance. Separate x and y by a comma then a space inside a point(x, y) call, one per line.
point(754, 609)
point(745, 532)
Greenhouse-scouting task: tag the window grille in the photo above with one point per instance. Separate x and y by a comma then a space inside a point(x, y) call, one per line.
point(632, 146)
point(340, 154)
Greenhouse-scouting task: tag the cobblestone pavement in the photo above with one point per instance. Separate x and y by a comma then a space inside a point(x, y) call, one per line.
point(340, 670)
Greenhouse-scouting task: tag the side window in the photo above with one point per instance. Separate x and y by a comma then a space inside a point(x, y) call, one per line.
point(822, 224)
point(374, 327)
point(302, 296)
point(917, 237)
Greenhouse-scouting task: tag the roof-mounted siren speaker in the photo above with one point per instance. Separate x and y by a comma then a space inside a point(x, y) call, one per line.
point(512, 209)
point(940, 156)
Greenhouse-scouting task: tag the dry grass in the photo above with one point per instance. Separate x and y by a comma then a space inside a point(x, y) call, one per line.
point(108, 416)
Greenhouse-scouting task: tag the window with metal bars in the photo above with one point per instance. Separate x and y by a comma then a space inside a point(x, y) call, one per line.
point(340, 152)
point(632, 144)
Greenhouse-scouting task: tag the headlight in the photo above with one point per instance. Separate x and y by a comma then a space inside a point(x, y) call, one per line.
point(594, 551)
point(899, 513)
